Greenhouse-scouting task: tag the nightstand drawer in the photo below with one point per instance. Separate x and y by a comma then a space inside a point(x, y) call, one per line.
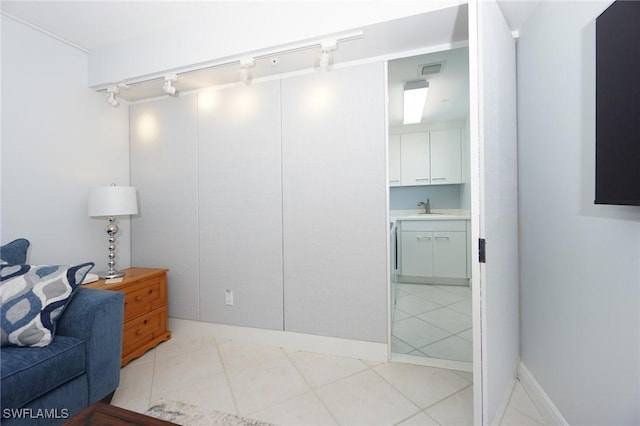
point(146, 296)
point(143, 330)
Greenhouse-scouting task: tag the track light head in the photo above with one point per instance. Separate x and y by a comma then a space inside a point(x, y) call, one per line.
point(111, 96)
point(168, 86)
point(325, 58)
point(245, 70)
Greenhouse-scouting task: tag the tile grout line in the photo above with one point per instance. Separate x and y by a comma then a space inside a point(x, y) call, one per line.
point(153, 376)
point(435, 341)
point(292, 397)
point(313, 389)
point(450, 334)
point(403, 395)
point(226, 376)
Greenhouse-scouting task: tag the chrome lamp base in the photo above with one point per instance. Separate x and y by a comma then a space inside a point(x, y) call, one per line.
point(110, 274)
point(112, 230)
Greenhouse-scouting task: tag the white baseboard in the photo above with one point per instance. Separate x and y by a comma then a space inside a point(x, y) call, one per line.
point(539, 397)
point(298, 341)
point(433, 362)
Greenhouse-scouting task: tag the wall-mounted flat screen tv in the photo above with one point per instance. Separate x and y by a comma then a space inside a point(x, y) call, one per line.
point(618, 104)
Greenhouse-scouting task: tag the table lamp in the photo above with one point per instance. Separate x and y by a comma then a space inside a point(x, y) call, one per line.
point(112, 201)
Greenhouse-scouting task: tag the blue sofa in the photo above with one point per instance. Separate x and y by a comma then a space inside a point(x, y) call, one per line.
point(47, 385)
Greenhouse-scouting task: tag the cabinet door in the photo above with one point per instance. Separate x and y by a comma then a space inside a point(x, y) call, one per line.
point(414, 158)
point(416, 254)
point(446, 156)
point(394, 160)
point(450, 254)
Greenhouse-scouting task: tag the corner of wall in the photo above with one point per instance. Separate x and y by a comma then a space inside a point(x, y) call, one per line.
point(539, 397)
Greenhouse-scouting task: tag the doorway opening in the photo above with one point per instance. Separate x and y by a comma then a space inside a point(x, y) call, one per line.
point(429, 210)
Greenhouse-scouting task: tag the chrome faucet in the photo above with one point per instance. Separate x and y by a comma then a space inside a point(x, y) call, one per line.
point(426, 205)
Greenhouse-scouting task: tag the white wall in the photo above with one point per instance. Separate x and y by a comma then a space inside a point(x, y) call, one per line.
point(246, 188)
point(59, 138)
point(334, 215)
point(580, 279)
point(465, 189)
point(164, 168)
point(240, 205)
point(440, 197)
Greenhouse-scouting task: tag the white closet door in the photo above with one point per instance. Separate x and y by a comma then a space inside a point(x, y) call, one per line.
point(240, 205)
point(334, 189)
point(163, 138)
point(494, 196)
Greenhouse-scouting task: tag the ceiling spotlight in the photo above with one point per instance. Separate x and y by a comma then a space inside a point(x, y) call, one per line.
point(325, 59)
point(168, 87)
point(111, 96)
point(245, 71)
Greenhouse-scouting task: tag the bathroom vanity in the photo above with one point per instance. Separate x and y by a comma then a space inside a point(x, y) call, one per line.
point(432, 248)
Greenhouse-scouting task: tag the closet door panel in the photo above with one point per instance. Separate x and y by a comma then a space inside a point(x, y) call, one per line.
point(163, 137)
point(240, 205)
point(334, 191)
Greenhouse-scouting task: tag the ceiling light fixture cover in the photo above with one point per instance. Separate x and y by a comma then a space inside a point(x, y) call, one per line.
point(415, 95)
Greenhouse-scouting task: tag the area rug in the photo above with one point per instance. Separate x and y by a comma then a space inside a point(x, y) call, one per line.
point(191, 415)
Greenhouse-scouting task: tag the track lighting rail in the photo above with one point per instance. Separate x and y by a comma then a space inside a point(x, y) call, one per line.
point(246, 63)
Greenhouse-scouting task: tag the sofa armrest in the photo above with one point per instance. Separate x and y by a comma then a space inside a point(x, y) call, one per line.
point(96, 316)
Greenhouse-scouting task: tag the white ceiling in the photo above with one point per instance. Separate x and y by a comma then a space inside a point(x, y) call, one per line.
point(448, 96)
point(92, 24)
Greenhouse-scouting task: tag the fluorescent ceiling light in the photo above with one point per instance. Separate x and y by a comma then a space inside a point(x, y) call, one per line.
point(415, 95)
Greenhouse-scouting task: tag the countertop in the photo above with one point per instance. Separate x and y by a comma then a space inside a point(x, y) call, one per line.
point(436, 214)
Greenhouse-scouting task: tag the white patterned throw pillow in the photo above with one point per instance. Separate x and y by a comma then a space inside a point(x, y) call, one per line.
point(32, 298)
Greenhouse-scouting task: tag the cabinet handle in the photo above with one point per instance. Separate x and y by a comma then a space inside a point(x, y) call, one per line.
point(394, 180)
point(442, 238)
point(418, 179)
point(422, 237)
point(444, 178)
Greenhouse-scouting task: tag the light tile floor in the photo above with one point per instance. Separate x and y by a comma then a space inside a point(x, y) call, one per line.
point(433, 320)
point(288, 387)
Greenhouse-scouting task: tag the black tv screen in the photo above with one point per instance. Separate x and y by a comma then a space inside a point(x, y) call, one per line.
point(618, 104)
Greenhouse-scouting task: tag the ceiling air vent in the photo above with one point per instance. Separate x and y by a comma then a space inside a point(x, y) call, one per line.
point(426, 70)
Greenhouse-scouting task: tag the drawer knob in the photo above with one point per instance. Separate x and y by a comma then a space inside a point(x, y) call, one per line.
point(138, 298)
point(138, 332)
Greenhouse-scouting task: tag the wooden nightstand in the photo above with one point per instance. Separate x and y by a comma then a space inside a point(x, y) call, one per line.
point(145, 309)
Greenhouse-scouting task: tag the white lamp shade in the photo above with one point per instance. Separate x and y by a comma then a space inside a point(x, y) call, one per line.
point(415, 95)
point(112, 201)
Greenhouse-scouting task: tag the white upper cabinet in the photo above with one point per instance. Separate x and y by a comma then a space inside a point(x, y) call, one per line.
point(446, 156)
point(394, 160)
point(415, 161)
point(425, 158)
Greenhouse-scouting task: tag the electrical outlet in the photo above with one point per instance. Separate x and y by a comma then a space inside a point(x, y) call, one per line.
point(228, 297)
